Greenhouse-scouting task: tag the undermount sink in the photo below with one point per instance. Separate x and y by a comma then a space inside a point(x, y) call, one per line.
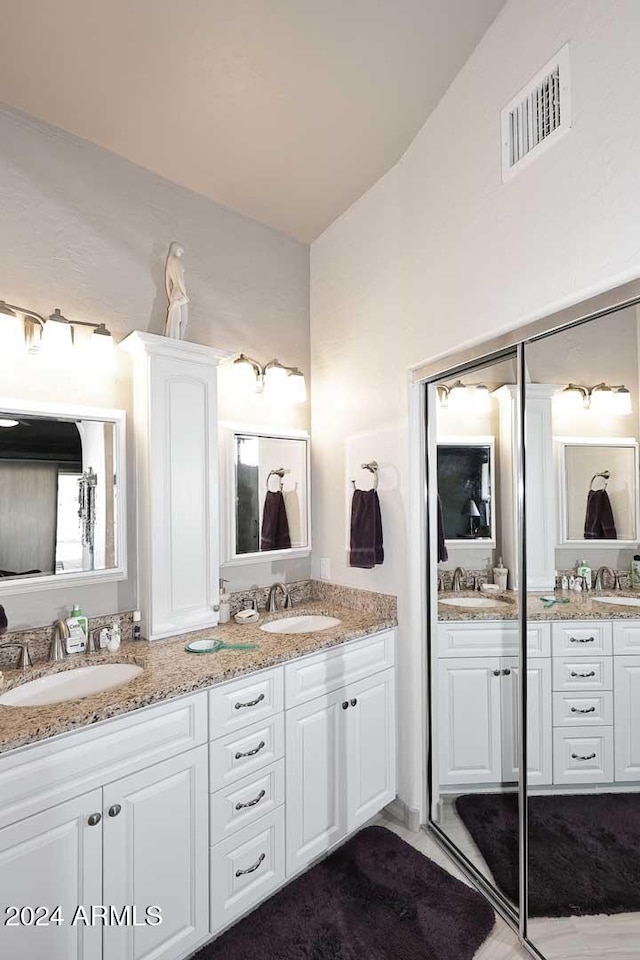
point(475, 603)
point(70, 685)
point(619, 601)
point(307, 623)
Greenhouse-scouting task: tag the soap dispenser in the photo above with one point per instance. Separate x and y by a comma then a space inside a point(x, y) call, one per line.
point(500, 575)
point(225, 603)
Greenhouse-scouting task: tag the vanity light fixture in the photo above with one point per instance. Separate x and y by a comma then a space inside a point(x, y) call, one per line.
point(22, 328)
point(460, 397)
point(273, 379)
point(603, 400)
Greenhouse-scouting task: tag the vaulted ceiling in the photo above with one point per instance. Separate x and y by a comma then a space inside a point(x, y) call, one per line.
point(284, 110)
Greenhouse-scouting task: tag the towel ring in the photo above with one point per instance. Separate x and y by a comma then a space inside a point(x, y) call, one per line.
point(372, 467)
point(276, 473)
point(605, 475)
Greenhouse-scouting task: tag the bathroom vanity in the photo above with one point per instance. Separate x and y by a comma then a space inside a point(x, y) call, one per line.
point(221, 777)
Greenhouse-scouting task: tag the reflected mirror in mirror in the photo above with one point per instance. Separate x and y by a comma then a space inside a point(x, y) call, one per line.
point(465, 481)
point(271, 493)
point(58, 496)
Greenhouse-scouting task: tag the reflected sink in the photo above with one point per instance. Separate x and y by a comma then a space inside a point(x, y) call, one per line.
point(70, 684)
point(309, 623)
point(475, 603)
point(619, 601)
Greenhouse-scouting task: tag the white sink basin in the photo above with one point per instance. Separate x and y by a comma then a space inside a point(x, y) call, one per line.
point(475, 603)
point(70, 684)
point(303, 624)
point(619, 601)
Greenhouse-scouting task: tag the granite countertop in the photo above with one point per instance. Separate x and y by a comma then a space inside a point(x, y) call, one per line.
point(580, 606)
point(170, 671)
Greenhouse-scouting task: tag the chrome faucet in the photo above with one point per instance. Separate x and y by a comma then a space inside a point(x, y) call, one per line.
point(60, 633)
point(598, 583)
point(272, 603)
point(24, 657)
point(456, 583)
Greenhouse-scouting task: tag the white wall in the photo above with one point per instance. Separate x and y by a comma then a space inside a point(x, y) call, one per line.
point(440, 253)
point(85, 230)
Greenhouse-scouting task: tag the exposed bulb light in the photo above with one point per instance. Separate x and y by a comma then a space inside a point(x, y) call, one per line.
point(57, 336)
point(297, 386)
point(6, 423)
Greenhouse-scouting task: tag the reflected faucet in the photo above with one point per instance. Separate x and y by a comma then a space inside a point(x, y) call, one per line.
point(456, 583)
point(24, 657)
point(272, 602)
point(598, 583)
point(60, 633)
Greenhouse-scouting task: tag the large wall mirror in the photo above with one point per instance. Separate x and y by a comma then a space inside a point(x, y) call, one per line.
point(267, 499)
point(62, 496)
point(534, 690)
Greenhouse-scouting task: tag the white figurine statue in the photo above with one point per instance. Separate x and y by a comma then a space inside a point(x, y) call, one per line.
point(177, 311)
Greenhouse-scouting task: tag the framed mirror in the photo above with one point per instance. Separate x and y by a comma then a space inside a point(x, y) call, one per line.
point(62, 496)
point(267, 501)
point(591, 470)
point(466, 479)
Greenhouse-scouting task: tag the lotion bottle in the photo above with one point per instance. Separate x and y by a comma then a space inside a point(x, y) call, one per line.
point(500, 575)
point(225, 604)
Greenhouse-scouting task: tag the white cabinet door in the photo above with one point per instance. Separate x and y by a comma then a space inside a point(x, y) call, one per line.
point(627, 718)
point(371, 754)
point(156, 847)
point(53, 859)
point(469, 693)
point(316, 793)
point(539, 720)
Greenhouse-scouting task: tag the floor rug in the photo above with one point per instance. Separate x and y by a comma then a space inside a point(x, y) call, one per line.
point(584, 850)
point(376, 898)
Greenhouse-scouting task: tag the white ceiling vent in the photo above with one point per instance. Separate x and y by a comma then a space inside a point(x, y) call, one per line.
point(537, 116)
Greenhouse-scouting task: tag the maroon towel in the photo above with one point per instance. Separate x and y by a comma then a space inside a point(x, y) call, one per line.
point(275, 525)
point(598, 522)
point(366, 530)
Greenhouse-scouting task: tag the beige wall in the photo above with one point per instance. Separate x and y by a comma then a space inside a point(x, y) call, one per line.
point(441, 253)
point(85, 230)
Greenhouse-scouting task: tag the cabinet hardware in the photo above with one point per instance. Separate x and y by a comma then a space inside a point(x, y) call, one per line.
point(114, 810)
point(251, 753)
point(576, 756)
point(94, 819)
point(583, 676)
point(354, 702)
point(506, 672)
point(345, 704)
point(583, 710)
point(251, 703)
point(251, 803)
point(582, 639)
point(241, 873)
point(496, 673)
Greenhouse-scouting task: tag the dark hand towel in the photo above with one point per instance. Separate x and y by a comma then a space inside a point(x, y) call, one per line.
point(275, 525)
point(598, 522)
point(443, 553)
point(4, 624)
point(366, 530)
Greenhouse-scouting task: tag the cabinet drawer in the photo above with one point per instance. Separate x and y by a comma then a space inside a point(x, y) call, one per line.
point(583, 709)
point(583, 673)
point(241, 753)
point(320, 673)
point(626, 636)
point(246, 868)
point(240, 804)
point(242, 702)
point(583, 756)
point(582, 639)
point(493, 638)
point(48, 773)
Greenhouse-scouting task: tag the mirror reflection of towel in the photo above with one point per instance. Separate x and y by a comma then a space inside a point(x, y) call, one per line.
point(443, 553)
point(275, 525)
point(598, 522)
point(366, 530)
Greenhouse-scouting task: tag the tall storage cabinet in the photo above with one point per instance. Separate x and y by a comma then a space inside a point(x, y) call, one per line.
point(175, 413)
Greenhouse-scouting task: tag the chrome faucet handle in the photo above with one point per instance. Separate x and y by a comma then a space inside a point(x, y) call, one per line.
point(288, 602)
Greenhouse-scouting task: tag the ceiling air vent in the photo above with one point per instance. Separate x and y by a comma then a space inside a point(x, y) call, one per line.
point(537, 115)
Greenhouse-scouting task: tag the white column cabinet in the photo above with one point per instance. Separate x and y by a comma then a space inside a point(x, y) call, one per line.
point(156, 853)
point(175, 412)
point(53, 859)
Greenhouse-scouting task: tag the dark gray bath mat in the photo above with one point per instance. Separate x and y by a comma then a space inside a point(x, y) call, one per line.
point(584, 850)
point(376, 898)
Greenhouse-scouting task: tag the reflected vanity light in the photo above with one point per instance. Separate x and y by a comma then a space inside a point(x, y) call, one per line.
point(23, 329)
point(278, 382)
point(603, 400)
point(6, 423)
point(465, 398)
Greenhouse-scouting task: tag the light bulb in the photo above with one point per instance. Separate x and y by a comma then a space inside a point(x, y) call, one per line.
point(57, 336)
point(101, 348)
point(603, 401)
point(622, 402)
point(297, 386)
point(7, 423)
point(276, 382)
point(571, 400)
point(458, 396)
point(481, 399)
point(245, 376)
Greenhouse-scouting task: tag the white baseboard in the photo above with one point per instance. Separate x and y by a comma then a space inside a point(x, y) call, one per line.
point(406, 815)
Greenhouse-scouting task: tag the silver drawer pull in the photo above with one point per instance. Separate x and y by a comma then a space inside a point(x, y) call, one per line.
point(583, 676)
point(251, 753)
point(576, 756)
point(583, 710)
point(251, 803)
point(251, 703)
point(241, 873)
point(582, 639)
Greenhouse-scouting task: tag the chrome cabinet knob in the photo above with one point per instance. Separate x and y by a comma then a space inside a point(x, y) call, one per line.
point(354, 702)
point(94, 819)
point(497, 673)
point(345, 704)
point(114, 810)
